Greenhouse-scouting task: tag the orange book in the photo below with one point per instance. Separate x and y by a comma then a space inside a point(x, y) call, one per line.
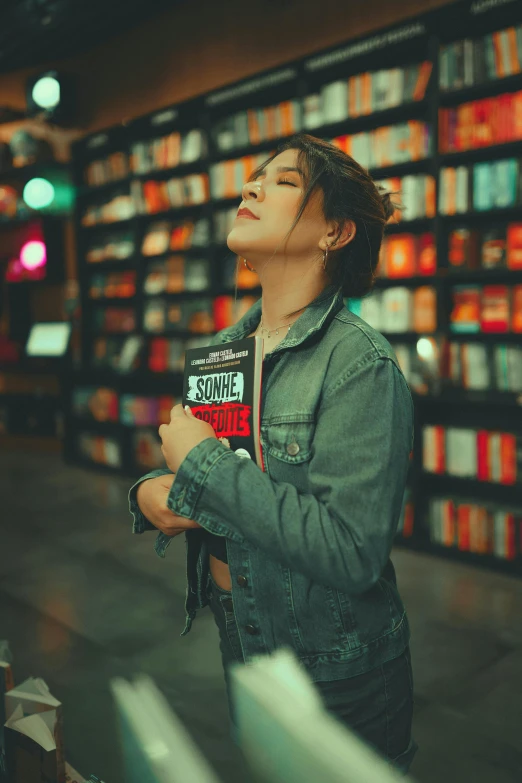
point(517, 115)
point(352, 97)
point(229, 189)
point(425, 309)
point(514, 58)
point(253, 126)
point(508, 458)
point(285, 109)
point(495, 315)
point(400, 255)
point(451, 191)
point(423, 78)
point(514, 246)
point(270, 120)
point(516, 309)
point(497, 45)
point(366, 93)
point(407, 530)
point(463, 526)
point(440, 449)
point(431, 197)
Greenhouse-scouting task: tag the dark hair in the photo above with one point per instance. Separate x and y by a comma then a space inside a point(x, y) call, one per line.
point(349, 193)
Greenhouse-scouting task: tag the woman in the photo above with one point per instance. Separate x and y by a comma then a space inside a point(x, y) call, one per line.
point(298, 555)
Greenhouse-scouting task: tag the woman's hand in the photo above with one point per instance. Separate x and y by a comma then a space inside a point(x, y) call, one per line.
point(181, 435)
point(152, 497)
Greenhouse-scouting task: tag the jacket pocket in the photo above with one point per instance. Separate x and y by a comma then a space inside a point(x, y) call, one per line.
point(289, 439)
point(287, 444)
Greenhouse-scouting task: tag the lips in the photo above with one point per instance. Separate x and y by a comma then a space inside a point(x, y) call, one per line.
point(244, 212)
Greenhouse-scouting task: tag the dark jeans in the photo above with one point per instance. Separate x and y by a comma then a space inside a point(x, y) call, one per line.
point(377, 706)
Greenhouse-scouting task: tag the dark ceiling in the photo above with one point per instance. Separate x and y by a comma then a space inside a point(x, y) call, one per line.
point(35, 32)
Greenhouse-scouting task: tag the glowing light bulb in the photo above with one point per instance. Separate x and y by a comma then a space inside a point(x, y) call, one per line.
point(425, 349)
point(38, 193)
point(33, 255)
point(46, 92)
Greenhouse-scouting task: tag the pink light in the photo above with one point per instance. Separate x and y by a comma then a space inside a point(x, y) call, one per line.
point(33, 254)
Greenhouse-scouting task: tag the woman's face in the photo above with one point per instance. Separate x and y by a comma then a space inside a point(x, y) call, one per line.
point(274, 198)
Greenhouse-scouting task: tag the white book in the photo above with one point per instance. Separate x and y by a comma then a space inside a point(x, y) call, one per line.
point(313, 112)
point(428, 448)
point(461, 195)
point(268, 693)
point(334, 97)
point(468, 62)
point(475, 356)
point(372, 311)
point(397, 305)
point(156, 746)
point(499, 522)
point(495, 456)
point(409, 197)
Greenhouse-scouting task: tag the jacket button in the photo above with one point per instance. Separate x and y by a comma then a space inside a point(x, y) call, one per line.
point(251, 629)
point(293, 449)
point(242, 580)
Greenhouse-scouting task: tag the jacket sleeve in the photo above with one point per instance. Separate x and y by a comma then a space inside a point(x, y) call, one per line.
point(341, 532)
point(140, 523)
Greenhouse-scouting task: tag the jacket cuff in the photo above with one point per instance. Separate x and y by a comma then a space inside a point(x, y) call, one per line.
point(140, 523)
point(192, 475)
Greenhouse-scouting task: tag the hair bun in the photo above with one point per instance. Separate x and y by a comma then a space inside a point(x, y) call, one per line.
point(389, 206)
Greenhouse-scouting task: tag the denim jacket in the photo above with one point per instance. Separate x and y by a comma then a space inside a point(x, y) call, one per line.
point(308, 541)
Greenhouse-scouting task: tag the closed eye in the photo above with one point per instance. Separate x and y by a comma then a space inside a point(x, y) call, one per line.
point(287, 182)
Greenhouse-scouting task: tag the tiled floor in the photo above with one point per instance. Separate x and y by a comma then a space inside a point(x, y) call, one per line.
point(82, 600)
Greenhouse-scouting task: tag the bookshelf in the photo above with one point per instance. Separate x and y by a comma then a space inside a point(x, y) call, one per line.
point(400, 101)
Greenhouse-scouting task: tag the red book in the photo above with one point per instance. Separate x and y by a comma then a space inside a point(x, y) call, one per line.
point(463, 527)
point(494, 316)
point(426, 255)
point(514, 246)
point(483, 472)
point(510, 532)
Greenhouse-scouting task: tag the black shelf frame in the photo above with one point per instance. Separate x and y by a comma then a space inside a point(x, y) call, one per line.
point(409, 41)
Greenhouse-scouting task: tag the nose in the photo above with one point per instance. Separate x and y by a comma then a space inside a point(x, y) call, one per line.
point(252, 190)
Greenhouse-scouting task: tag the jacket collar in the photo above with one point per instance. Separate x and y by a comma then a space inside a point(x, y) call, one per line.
point(318, 313)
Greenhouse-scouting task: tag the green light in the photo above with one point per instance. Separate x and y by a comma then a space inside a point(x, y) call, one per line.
point(46, 92)
point(38, 193)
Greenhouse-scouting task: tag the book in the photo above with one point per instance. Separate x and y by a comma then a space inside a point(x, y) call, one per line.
point(222, 384)
point(6, 684)
point(267, 695)
point(34, 734)
point(156, 746)
point(514, 246)
point(462, 249)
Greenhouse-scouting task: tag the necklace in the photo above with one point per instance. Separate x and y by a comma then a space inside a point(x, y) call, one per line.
point(273, 330)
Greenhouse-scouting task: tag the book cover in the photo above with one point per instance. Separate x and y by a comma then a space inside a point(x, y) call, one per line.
point(426, 254)
point(493, 251)
point(400, 255)
point(462, 249)
point(465, 314)
point(516, 309)
point(222, 384)
point(514, 246)
point(495, 316)
point(425, 309)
